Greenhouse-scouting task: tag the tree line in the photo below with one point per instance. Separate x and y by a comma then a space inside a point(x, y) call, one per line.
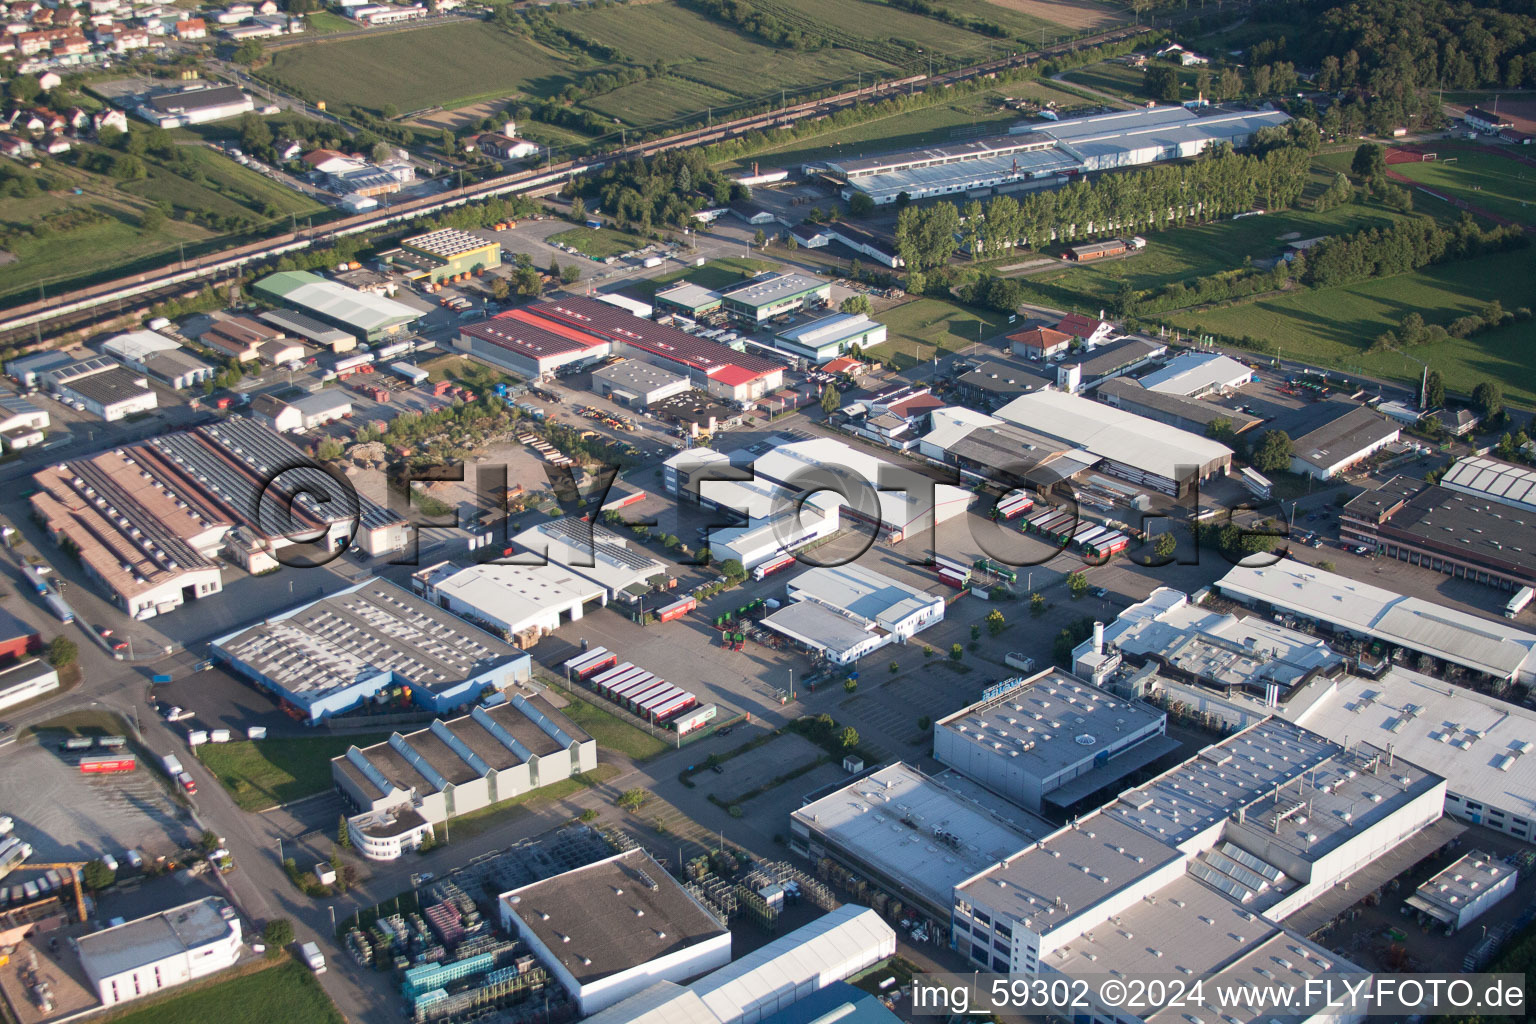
point(1271, 175)
point(1404, 246)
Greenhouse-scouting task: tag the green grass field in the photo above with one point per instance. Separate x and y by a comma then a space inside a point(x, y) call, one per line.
point(285, 994)
point(715, 274)
point(324, 22)
point(610, 731)
point(1182, 253)
point(922, 327)
point(1335, 326)
point(1499, 184)
point(262, 773)
point(599, 243)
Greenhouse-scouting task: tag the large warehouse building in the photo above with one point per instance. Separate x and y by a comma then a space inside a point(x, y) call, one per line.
point(329, 656)
point(1346, 607)
point(853, 826)
point(364, 315)
point(610, 929)
point(591, 554)
point(1223, 817)
point(150, 519)
point(1051, 742)
point(1494, 479)
point(1050, 151)
point(520, 602)
point(772, 295)
point(1342, 443)
point(1134, 448)
point(1468, 536)
point(1483, 746)
point(496, 752)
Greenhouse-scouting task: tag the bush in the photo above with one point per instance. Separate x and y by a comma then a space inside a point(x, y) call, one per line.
point(895, 667)
point(589, 815)
point(956, 652)
point(209, 840)
point(633, 799)
point(848, 738)
point(277, 934)
point(924, 723)
point(735, 811)
point(849, 685)
point(62, 652)
point(98, 876)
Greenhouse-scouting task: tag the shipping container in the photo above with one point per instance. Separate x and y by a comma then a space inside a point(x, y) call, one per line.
point(676, 610)
point(77, 743)
point(111, 742)
point(776, 564)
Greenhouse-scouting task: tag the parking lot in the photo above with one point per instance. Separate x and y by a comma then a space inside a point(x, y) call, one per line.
point(68, 816)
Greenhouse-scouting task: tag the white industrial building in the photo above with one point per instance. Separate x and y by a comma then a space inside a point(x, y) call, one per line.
point(765, 538)
point(1465, 890)
point(22, 424)
point(23, 680)
point(1134, 448)
point(160, 357)
point(590, 553)
point(835, 946)
point(193, 104)
point(500, 750)
point(105, 387)
point(1347, 607)
point(1484, 747)
point(825, 339)
point(1197, 374)
point(517, 601)
point(1050, 742)
point(1047, 152)
point(1218, 836)
point(1342, 442)
point(889, 827)
point(173, 947)
point(898, 501)
point(844, 612)
point(614, 928)
point(304, 413)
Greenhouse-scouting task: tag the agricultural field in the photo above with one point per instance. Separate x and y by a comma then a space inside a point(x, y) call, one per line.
point(65, 235)
point(965, 117)
point(448, 66)
point(1182, 253)
point(467, 63)
point(286, 994)
point(1499, 184)
point(923, 328)
point(1335, 326)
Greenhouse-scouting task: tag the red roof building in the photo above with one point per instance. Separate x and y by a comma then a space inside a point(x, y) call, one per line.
point(1040, 342)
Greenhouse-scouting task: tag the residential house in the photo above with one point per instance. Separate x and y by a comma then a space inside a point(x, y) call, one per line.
point(192, 28)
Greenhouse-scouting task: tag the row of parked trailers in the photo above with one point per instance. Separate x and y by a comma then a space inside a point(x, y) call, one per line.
point(1069, 528)
point(636, 689)
point(1014, 504)
point(951, 573)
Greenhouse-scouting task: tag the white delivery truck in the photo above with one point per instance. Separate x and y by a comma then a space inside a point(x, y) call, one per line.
point(313, 957)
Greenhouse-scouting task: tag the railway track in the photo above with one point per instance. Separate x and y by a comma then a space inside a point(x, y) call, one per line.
point(101, 302)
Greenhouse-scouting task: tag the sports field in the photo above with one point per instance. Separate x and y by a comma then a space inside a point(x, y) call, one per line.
point(1335, 326)
point(1499, 184)
point(707, 63)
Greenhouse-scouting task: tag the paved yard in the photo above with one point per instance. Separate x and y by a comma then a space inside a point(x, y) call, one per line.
point(68, 816)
